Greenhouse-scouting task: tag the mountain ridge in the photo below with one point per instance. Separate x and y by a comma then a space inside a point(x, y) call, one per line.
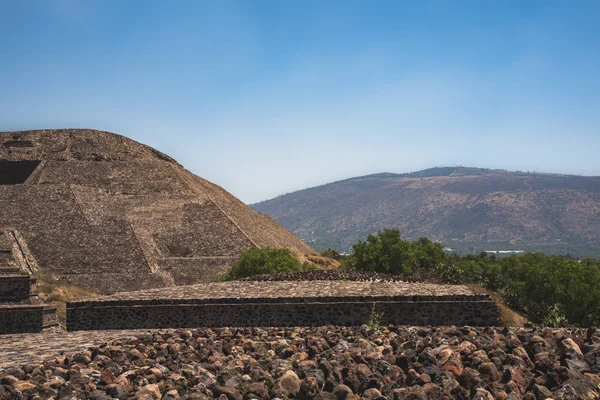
point(471, 209)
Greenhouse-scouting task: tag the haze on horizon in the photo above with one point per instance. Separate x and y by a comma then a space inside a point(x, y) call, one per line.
point(267, 97)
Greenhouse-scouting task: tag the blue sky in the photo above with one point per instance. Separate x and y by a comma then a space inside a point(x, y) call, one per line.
point(268, 97)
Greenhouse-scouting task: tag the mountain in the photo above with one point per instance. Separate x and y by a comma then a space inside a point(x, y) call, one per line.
point(102, 211)
point(467, 209)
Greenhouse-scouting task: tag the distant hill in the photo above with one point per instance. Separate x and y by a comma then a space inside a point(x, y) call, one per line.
point(468, 209)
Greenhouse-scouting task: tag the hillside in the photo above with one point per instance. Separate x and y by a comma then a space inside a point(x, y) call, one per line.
point(468, 209)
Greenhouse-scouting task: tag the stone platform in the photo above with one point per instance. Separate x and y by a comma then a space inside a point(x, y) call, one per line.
point(27, 318)
point(15, 287)
point(20, 309)
point(35, 348)
point(314, 303)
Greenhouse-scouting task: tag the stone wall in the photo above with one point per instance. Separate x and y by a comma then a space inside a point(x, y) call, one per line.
point(188, 271)
point(147, 316)
point(26, 318)
point(263, 230)
point(251, 304)
point(14, 288)
point(205, 231)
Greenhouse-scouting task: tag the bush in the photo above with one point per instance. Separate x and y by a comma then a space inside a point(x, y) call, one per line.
point(257, 261)
point(555, 317)
point(450, 273)
point(386, 252)
point(331, 253)
point(552, 290)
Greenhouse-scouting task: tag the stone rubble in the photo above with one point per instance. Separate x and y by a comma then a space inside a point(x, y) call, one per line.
point(266, 291)
point(322, 363)
point(331, 275)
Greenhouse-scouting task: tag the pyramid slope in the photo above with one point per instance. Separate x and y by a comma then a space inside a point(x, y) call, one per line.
point(110, 214)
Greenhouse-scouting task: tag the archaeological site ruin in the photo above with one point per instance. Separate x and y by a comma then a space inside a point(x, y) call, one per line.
point(102, 212)
point(107, 213)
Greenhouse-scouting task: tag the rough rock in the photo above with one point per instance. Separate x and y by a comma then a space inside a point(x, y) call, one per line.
point(288, 384)
point(327, 362)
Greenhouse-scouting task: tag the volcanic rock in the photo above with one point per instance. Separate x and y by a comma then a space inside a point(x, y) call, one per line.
point(202, 364)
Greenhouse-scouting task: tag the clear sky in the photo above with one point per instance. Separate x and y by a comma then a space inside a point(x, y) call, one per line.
point(268, 97)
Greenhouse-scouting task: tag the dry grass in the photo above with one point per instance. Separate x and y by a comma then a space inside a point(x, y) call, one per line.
point(57, 293)
point(508, 317)
point(323, 262)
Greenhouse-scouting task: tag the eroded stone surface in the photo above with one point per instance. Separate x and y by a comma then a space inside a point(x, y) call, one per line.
point(338, 274)
point(21, 349)
point(20, 308)
point(26, 318)
point(230, 291)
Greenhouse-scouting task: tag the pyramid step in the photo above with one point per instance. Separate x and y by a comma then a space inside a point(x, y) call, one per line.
point(5, 256)
point(23, 318)
point(4, 270)
point(15, 287)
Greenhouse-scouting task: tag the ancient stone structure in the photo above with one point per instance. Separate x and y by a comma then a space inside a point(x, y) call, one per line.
point(107, 213)
point(27, 318)
point(249, 304)
point(20, 309)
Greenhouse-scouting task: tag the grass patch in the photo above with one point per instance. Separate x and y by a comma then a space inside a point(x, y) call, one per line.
point(507, 317)
point(375, 319)
point(57, 293)
point(324, 262)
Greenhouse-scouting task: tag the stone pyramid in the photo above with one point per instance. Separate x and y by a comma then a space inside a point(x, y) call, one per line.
point(104, 212)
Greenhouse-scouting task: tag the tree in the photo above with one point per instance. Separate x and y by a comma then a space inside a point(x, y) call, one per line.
point(257, 261)
point(331, 253)
point(385, 252)
point(552, 290)
point(428, 255)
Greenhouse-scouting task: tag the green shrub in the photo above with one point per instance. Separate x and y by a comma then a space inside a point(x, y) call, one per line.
point(257, 261)
point(331, 253)
point(552, 290)
point(450, 273)
point(375, 318)
point(387, 252)
point(555, 317)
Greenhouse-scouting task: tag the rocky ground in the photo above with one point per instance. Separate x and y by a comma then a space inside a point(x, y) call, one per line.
point(323, 363)
point(331, 275)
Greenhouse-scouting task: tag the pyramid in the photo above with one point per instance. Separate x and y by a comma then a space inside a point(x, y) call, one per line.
point(99, 210)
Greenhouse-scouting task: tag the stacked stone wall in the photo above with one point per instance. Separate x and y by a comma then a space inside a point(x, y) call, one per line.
point(54, 230)
point(18, 290)
point(263, 230)
point(303, 303)
point(189, 271)
point(26, 318)
point(347, 313)
point(14, 288)
point(123, 177)
point(205, 231)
